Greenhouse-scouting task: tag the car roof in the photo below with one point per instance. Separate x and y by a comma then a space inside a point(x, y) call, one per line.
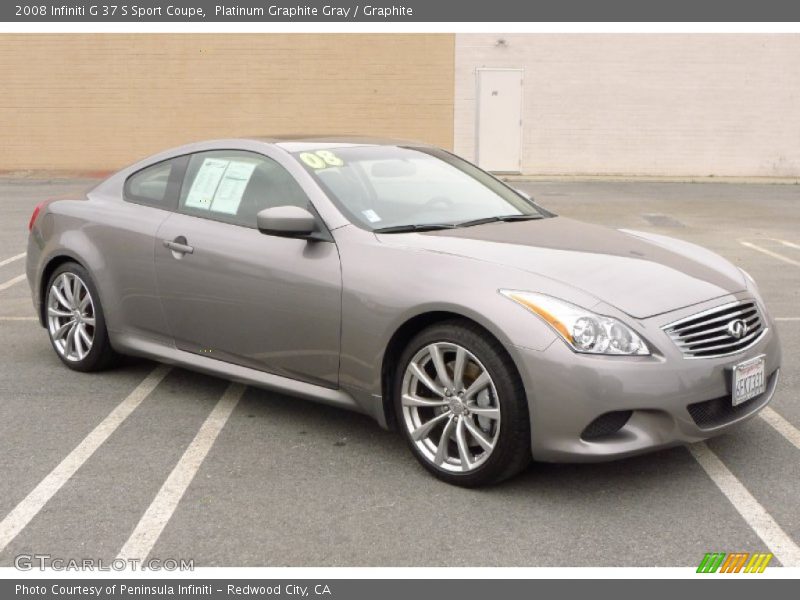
point(301, 142)
point(286, 143)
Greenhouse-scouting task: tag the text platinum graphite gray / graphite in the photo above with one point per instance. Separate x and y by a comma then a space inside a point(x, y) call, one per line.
point(223, 10)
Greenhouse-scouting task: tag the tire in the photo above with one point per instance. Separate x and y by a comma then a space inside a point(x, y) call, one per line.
point(495, 411)
point(76, 326)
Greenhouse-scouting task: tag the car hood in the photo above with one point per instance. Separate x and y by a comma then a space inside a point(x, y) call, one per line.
point(639, 273)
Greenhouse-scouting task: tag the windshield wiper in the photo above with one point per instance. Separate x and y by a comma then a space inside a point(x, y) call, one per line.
point(504, 219)
point(508, 218)
point(436, 226)
point(407, 228)
point(478, 221)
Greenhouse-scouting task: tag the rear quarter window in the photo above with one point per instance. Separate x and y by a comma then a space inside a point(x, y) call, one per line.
point(157, 185)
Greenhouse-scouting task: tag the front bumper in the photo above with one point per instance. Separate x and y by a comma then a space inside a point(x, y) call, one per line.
point(568, 391)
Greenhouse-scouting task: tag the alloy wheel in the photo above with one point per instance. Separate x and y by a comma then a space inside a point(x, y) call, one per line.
point(71, 317)
point(450, 407)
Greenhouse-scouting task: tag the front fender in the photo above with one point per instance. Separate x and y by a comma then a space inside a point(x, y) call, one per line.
point(414, 283)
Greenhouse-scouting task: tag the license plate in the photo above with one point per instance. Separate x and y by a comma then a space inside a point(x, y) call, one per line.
point(748, 380)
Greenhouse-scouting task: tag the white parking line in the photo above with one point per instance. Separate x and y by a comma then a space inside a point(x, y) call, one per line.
point(785, 259)
point(7, 261)
point(782, 426)
point(790, 244)
point(18, 319)
point(160, 511)
point(7, 284)
point(26, 510)
point(759, 520)
point(787, 318)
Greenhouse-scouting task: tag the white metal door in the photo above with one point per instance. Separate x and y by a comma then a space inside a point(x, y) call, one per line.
point(499, 119)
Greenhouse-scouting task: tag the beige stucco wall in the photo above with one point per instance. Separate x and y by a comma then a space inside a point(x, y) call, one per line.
point(95, 102)
point(671, 104)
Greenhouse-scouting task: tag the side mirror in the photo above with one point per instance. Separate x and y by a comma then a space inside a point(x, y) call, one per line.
point(286, 221)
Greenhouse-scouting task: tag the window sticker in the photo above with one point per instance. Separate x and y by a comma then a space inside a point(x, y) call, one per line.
point(231, 189)
point(371, 215)
point(219, 185)
point(321, 159)
point(205, 183)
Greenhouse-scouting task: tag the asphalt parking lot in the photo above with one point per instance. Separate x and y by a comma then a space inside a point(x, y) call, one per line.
point(291, 483)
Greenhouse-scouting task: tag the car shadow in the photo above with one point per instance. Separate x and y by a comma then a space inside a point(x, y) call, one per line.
point(342, 429)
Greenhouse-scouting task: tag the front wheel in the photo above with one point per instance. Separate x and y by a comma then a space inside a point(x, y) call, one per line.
point(461, 405)
point(75, 320)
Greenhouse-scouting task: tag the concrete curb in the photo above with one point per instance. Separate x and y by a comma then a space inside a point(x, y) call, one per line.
point(651, 179)
point(47, 175)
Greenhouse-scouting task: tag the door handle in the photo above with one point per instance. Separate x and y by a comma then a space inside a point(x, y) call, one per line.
point(179, 245)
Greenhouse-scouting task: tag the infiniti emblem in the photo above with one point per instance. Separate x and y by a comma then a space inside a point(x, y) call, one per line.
point(737, 329)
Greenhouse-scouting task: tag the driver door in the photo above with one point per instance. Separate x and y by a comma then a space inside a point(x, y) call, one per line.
point(234, 294)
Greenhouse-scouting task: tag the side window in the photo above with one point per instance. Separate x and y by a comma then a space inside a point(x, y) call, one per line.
point(156, 185)
point(234, 186)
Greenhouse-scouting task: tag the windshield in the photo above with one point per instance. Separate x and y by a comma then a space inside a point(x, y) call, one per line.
point(396, 188)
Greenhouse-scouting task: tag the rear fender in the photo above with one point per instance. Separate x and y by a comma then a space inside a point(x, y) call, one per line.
point(67, 245)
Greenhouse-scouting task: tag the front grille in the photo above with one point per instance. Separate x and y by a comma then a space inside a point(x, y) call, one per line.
point(709, 334)
point(606, 424)
point(719, 411)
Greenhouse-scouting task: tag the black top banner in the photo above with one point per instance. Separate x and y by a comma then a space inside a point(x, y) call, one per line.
point(402, 11)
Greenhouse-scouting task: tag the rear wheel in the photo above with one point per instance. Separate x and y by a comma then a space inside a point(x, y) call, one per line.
point(75, 320)
point(461, 405)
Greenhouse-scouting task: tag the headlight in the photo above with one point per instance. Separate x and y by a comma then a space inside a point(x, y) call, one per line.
point(583, 330)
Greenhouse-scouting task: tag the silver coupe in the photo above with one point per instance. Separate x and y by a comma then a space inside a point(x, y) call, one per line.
point(400, 281)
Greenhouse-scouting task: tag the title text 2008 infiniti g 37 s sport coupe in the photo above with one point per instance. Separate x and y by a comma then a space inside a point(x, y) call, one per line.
point(398, 280)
